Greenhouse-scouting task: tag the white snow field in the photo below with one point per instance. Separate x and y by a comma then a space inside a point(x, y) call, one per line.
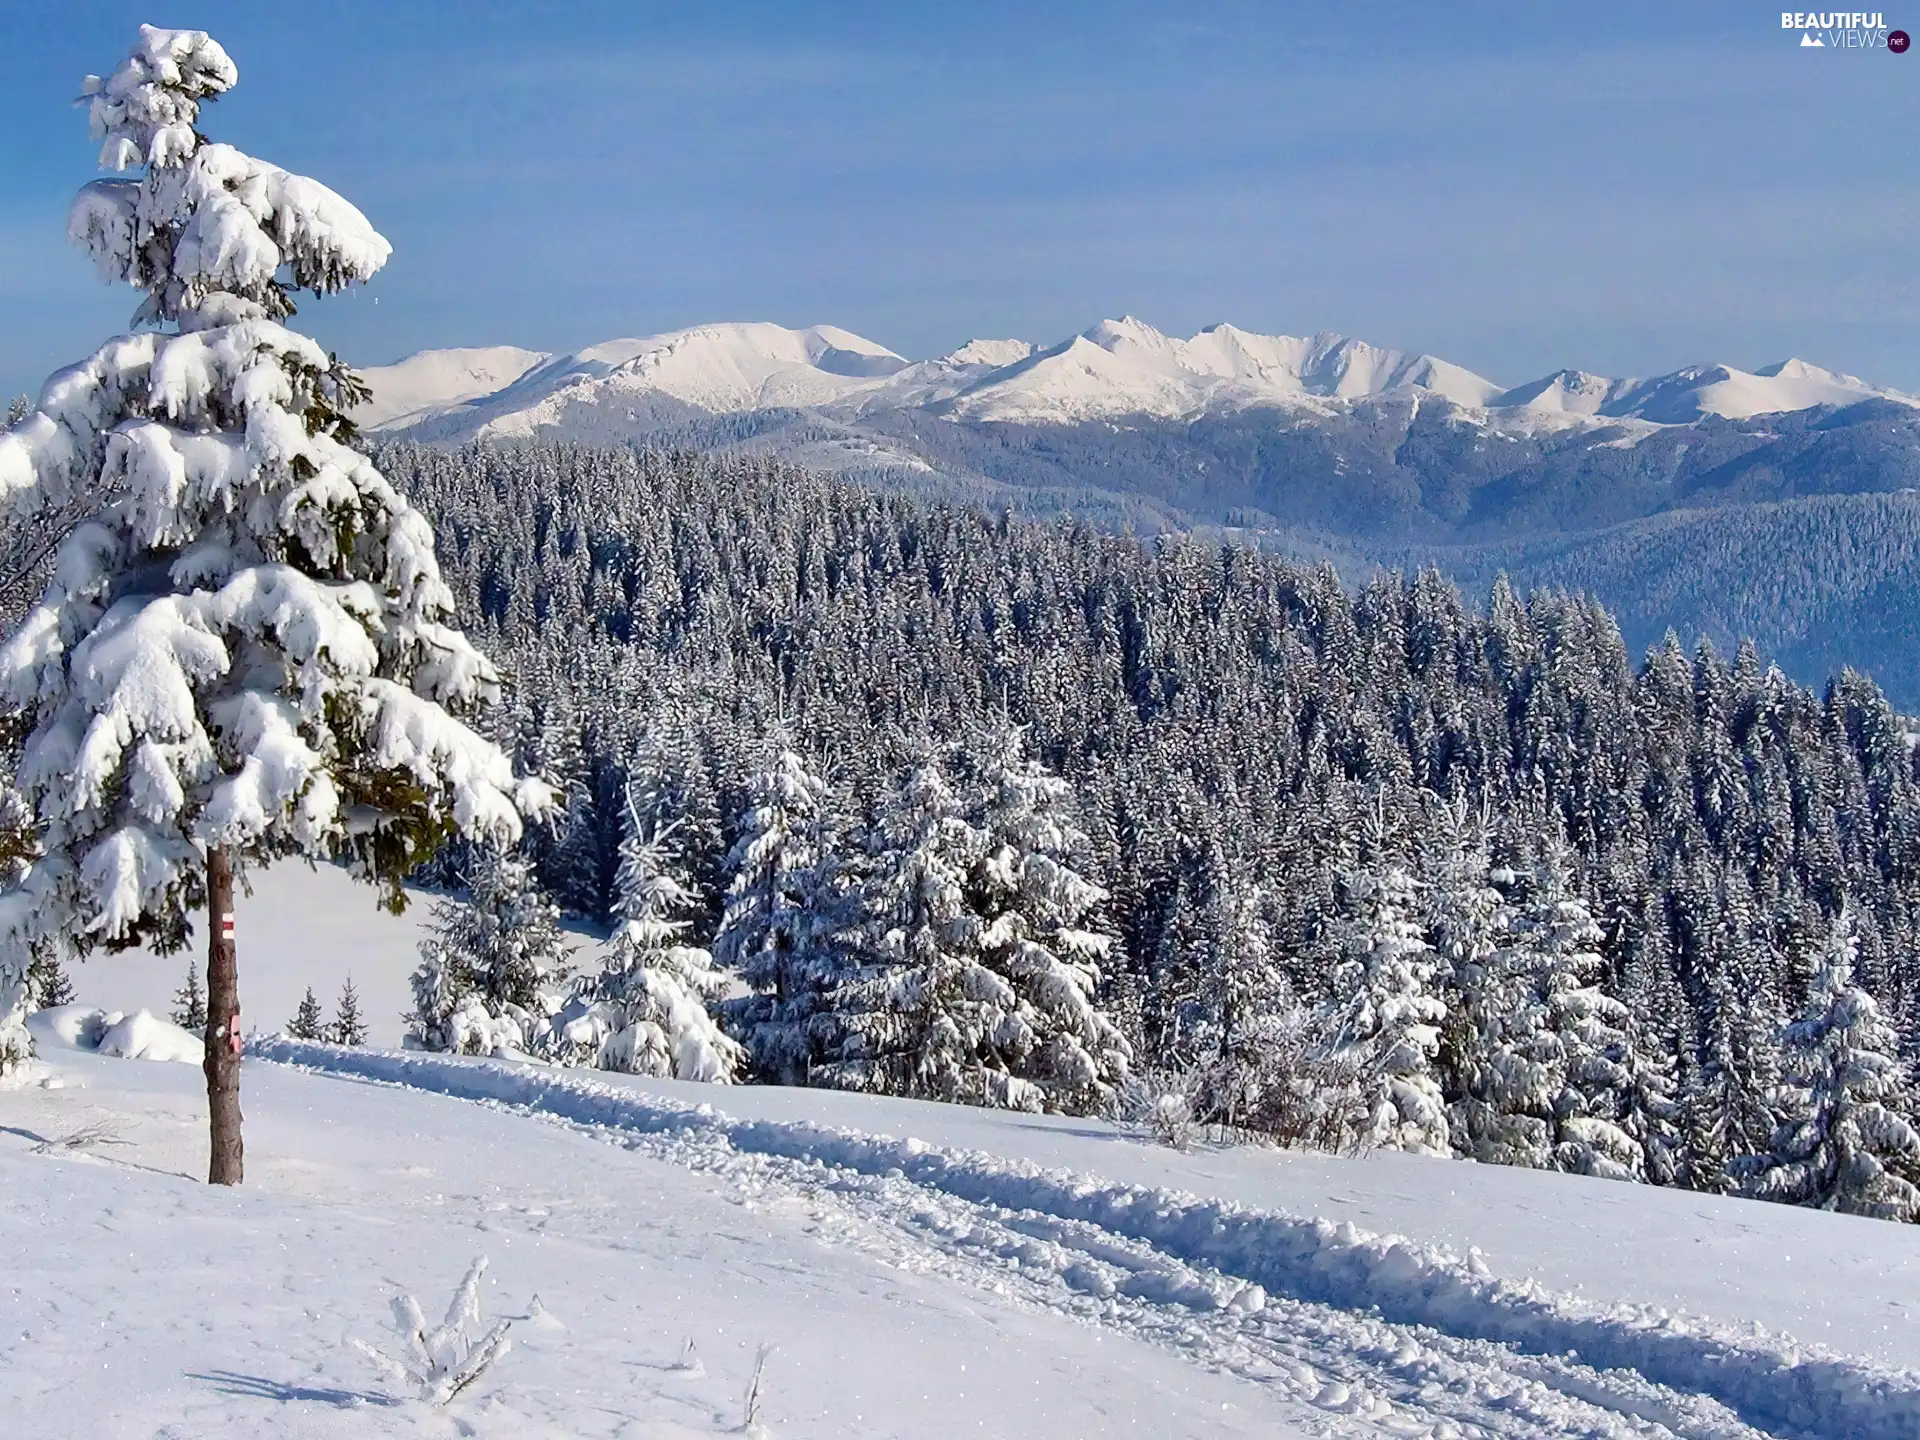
point(921, 1270)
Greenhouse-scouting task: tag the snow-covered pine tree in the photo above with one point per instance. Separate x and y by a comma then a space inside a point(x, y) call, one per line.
point(18, 409)
point(1385, 1019)
point(647, 1011)
point(922, 1014)
point(1657, 1037)
point(777, 931)
point(308, 1023)
point(1843, 1143)
point(1590, 1049)
point(1041, 928)
point(244, 651)
point(190, 1001)
point(1246, 992)
point(348, 1028)
point(489, 961)
point(1727, 1101)
point(16, 1042)
point(446, 1015)
point(1497, 1089)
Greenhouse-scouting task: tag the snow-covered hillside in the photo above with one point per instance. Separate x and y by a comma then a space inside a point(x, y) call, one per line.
point(425, 384)
point(921, 1270)
point(1117, 368)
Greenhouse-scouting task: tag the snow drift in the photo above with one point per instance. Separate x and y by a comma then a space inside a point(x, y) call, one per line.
point(139, 1036)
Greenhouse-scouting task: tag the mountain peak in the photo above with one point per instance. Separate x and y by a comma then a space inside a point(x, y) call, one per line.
point(1795, 368)
point(1127, 330)
point(995, 353)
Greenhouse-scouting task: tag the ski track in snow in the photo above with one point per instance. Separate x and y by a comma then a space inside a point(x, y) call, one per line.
point(1373, 1335)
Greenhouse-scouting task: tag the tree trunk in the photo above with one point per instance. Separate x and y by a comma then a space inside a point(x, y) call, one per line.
point(223, 1025)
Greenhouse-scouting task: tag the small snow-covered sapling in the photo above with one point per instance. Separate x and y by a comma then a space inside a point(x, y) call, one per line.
point(439, 1364)
point(756, 1393)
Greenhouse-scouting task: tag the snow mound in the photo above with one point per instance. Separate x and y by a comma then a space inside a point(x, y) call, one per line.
point(68, 1027)
point(144, 1036)
point(139, 1036)
point(1769, 1379)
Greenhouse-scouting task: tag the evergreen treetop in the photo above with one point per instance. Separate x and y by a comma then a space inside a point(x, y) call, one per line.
point(308, 1022)
point(349, 1027)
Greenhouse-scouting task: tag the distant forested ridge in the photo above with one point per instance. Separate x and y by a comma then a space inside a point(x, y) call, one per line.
point(1820, 583)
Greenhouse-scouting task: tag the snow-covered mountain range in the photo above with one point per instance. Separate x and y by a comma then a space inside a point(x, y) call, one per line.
point(1327, 445)
point(1117, 369)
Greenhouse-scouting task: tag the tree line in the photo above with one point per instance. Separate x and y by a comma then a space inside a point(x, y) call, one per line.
point(1360, 866)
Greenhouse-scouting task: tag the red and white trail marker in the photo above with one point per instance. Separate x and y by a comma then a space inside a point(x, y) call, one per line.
point(226, 926)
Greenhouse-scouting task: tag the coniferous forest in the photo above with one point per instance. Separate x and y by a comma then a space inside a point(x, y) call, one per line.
point(928, 801)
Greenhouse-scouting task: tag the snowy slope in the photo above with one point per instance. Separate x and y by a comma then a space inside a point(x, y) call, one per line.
point(429, 382)
point(983, 1281)
point(715, 369)
point(157, 1307)
point(1089, 1283)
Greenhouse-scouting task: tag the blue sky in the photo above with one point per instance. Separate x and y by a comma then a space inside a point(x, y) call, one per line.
point(1617, 187)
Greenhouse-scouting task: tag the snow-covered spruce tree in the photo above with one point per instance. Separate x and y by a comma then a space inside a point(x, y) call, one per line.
point(1497, 1087)
point(348, 1027)
point(190, 1001)
point(1727, 1099)
point(1657, 1040)
point(1586, 1029)
point(1385, 1019)
point(489, 961)
point(1041, 930)
point(922, 1015)
point(443, 986)
point(1842, 1143)
point(244, 650)
point(1245, 993)
point(780, 918)
point(646, 1012)
point(308, 1022)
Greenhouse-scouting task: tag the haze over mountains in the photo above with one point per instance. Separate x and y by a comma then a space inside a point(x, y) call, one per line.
point(1322, 445)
